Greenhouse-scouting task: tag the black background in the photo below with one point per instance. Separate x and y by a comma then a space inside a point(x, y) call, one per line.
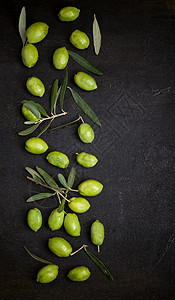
point(135, 147)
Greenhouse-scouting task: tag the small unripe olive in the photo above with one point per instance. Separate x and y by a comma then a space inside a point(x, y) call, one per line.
point(90, 187)
point(81, 273)
point(72, 225)
point(68, 14)
point(79, 204)
point(59, 247)
point(34, 219)
point(28, 114)
point(36, 145)
point(85, 81)
point(35, 86)
point(79, 39)
point(86, 160)
point(29, 55)
point(58, 159)
point(86, 133)
point(47, 274)
point(37, 32)
point(56, 219)
point(60, 58)
point(97, 233)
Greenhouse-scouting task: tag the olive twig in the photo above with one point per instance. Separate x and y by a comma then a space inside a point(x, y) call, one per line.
point(52, 117)
point(98, 248)
point(82, 247)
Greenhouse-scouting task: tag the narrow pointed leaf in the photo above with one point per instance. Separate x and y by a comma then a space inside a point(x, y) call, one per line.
point(63, 89)
point(37, 106)
point(40, 196)
point(34, 173)
point(31, 105)
point(85, 107)
point(22, 25)
point(37, 257)
point(67, 124)
point(50, 181)
point(45, 128)
point(29, 130)
point(29, 122)
point(61, 206)
point(71, 177)
point(84, 63)
point(96, 36)
point(62, 180)
point(99, 264)
point(53, 95)
point(57, 96)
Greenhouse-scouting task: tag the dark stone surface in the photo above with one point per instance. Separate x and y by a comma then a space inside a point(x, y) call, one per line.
point(135, 146)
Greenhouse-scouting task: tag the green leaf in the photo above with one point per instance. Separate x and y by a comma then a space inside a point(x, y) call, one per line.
point(29, 130)
point(67, 124)
point(85, 107)
point(37, 106)
point(31, 105)
point(50, 181)
point(22, 25)
point(84, 63)
point(99, 264)
point(53, 95)
point(57, 95)
point(45, 128)
point(61, 206)
point(96, 36)
point(62, 180)
point(35, 175)
point(71, 177)
point(37, 257)
point(29, 122)
point(63, 89)
point(39, 196)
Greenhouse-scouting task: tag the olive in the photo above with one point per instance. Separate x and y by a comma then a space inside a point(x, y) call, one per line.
point(60, 58)
point(58, 159)
point(86, 133)
point(85, 81)
point(86, 160)
point(47, 274)
point(35, 86)
point(29, 55)
point(36, 145)
point(97, 233)
point(81, 273)
point(28, 114)
point(59, 247)
point(37, 32)
point(79, 39)
point(79, 204)
point(72, 225)
point(90, 187)
point(56, 219)
point(68, 13)
point(34, 219)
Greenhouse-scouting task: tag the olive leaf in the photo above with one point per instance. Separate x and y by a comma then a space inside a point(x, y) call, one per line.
point(99, 264)
point(67, 124)
point(35, 175)
point(37, 106)
point(96, 36)
point(71, 177)
point(37, 257)
point(62, 180)
point(31, 105)
point(84, 63)
point(29, 122)
point(40, 196)
point(53, 95)
point(45, 128)
point(61, 206)
point(29, 130)
point(22, 25)
point(85, 107)
point(57, 96)
point(50, 181)
point(63, 89)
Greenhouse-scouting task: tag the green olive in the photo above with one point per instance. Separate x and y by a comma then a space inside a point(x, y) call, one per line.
point(47, 274)
point(37, 32)
point(90, 187)
point(68, 13)
point(28, 114)
point(79, 204)
point(86, 133)
point(97, 233)
point(79, 39)
point(59, 247)
point(56, 219)
point(72, 224)
point(85, 81)
point(29, 55)
point(81, 273)
point(34, 219)
point(86, 160)
point(60, 58)
point(35, 86)
point(58, 159)
point(36, 145)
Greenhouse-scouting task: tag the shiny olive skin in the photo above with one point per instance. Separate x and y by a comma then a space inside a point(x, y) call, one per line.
point(34, 219)
point(29, 55)
point(37, 32)
point(86, 133)
point(47, 274)
point(36, 145)
point(28, 114)
point(86, 160)
point(58, 159)
point(60, 58)
point(68, 14)
point(90, 187)
point(35, 86)
point(56, 219)
point(72, 224)
point(81, 273)
point(59, 247)
point(79, 39)
point(97, 233)
point(79, 204)
point(85, 81)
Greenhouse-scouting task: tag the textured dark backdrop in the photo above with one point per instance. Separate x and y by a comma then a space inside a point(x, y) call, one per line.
point(135, 146)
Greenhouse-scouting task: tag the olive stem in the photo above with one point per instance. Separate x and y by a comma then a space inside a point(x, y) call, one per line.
point(59, 200)
point(52, 117)
point(74, 190)
point(83, 246)
point(98, 247)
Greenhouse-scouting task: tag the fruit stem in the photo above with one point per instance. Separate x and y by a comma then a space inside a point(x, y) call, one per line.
point(83, 246)
point(98, 247)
